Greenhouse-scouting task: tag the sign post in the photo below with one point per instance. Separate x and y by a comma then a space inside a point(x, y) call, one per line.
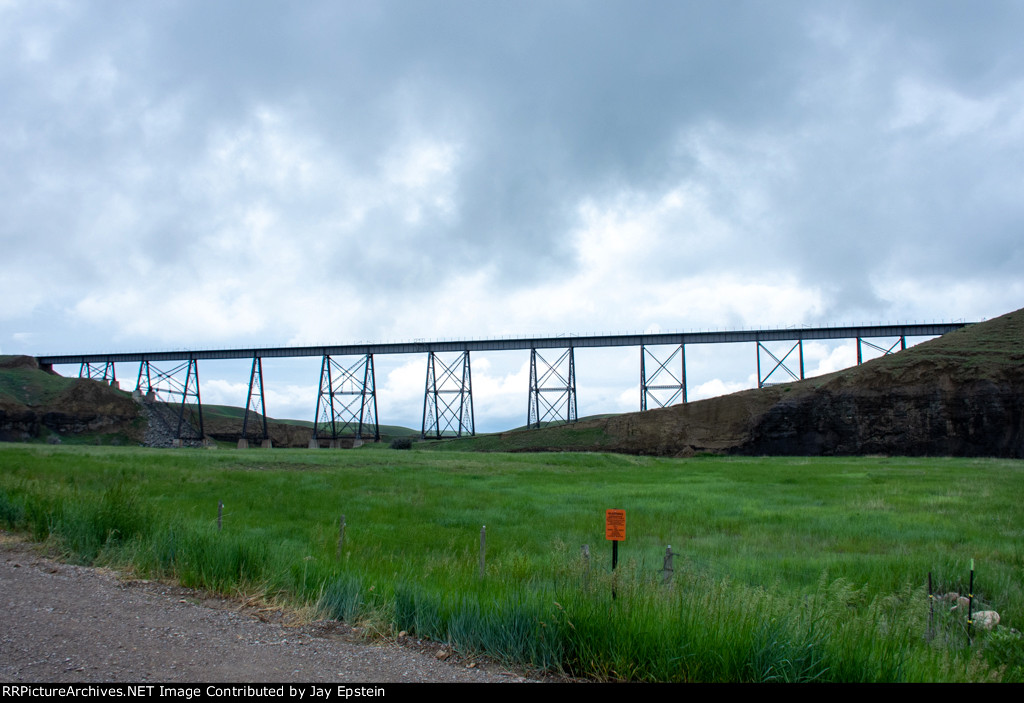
point(615, 531)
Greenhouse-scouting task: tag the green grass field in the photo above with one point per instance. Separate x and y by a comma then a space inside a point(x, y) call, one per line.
point(785, 569)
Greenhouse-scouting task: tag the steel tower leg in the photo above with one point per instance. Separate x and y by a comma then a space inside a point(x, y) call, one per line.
point(368, 412)
point(763, 381)
point(164, 386)
point(255, 405)
point(649, 388)
point(891, 349)
point(325, 399)
point(191, 379)
point(105, 372)
point(346, 406)
point(144, 370)
point(562, 409)
point(147, 391)
point(448, 398)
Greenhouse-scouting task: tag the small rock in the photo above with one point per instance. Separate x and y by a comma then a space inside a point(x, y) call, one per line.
point(986, 619)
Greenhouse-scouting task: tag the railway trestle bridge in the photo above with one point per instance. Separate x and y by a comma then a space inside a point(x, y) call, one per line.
point(346, 406)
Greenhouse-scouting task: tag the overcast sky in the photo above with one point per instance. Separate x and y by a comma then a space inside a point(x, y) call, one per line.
point(218, 174)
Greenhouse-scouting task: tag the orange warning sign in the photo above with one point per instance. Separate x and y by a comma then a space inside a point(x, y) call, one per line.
point(615, 525)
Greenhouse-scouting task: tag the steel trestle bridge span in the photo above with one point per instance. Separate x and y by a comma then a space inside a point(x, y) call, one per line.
point(347, 404)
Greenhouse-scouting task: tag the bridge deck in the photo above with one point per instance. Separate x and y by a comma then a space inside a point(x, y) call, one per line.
point(560, 342)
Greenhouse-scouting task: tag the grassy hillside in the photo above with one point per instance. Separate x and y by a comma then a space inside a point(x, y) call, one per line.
point(584, 435)
point(959, 394)
point(228, 419)
point(23, 383)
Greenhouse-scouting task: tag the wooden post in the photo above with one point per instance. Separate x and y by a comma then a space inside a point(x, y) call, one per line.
point(220, 513)
point(585, 553)
point(483, 548)
point(341, 536)
point(970, 607)
point(666, 569)
point(615, 564)
point(931, 609)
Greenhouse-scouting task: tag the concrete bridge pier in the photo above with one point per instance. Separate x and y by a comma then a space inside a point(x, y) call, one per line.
point(243, 443)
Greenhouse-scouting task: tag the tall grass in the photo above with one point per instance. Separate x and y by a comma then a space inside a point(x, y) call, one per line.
point(787, 570)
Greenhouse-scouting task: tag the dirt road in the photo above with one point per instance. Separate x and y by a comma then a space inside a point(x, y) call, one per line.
point(64, 623)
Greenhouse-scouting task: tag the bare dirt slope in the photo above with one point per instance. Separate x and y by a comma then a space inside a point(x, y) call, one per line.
point(64, 623)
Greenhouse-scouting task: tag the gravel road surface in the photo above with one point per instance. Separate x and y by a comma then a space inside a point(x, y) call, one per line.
point(65, 623)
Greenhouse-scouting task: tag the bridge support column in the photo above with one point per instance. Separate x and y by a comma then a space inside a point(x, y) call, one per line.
point(891, 349)
point(347, 403)
point(254, 405)
point(763, 381)
point(145, 390)
point(191, 381)
point(448, 398)
point(164, 387)
point(555, 381)
point(105, 372)
point(665, 393)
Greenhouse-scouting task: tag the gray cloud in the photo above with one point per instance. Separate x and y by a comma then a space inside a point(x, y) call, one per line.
point(380, 153)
